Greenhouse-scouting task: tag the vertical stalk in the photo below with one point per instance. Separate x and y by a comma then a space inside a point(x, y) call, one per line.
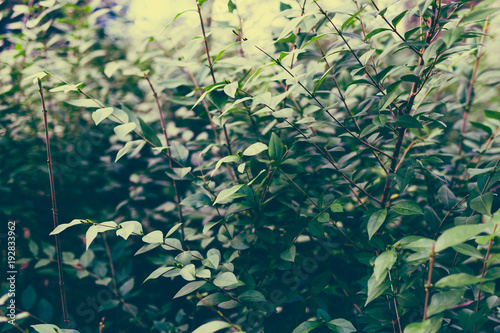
point(210, 65)
point(468, 101)
point(483, 272)
point(164, 129)
point(428, 284)
point(54, 209)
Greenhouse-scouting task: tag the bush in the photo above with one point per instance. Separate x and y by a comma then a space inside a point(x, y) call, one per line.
point(342, 178)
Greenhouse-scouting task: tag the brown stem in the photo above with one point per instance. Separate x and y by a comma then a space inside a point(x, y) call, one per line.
point(428, 284)
point(217, 311)
point(210, 65)
point(468, 101)
point(178, 198)
point(483, 271)
point(54, 209)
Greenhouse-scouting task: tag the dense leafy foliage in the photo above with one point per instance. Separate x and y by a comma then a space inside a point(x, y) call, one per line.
point(342, 178)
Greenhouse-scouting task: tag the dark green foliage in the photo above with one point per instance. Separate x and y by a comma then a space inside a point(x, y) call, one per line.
point(343, 179)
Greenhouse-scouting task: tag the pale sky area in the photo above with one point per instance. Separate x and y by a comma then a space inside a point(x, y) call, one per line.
point(259, 18)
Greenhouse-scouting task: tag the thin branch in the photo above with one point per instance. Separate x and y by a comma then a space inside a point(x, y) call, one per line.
point(375, 83)
point(323, 107)
point(210, 65)
point(483, 271)
point(178, 198)
point(393, 28)
point(468, 101)
point(54, 210)
point(428, 284)
point(447, 214)
point(317, 207)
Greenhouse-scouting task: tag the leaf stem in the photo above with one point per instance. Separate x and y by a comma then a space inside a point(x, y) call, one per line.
point(428, 284)
point(55, 217)
point(178, 198)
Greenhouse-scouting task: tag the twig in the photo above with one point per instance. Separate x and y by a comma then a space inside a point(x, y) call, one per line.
point(210, 65)
point(217, 311)
point(447, 214)
point(468, 101)
point(165, 134)
point(316, 205)
point(323, 107)
point(428, 284)
point(483, 271)
point(393, 28)
point(54, 209)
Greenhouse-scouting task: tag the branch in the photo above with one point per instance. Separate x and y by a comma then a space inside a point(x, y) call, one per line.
point(54, 209)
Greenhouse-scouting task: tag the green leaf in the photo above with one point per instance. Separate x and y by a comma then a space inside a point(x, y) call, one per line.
point(64, 226)
point(375, 289)
point(398, 18)
point(129, 227)
point(419, 327)
point(224, 195)
point(291, 166)
point(173, 229)
point(444, 300)
point(276, 148)
point(252, 296)
point(306, 326)
point(351, 19)
point(383, 264)
point(457, 280)
point(101, 114)
point(446, 196)
point(158, 272)
point(197, 200)
point(375, 32)
point(283, 113)
point(492, 114)
point(457, 235)
point(380, 120)
point(153, 237)
point(49, 328)
point(90, 235)
point(110, 68)
point(407, 208)
point(189, 288)
point(341, 326)
point(375, 222)
point(226, 159)
point(188, 272)
point(212, 326)
point(482, 204)
point(407, 121)
point(84, 103)
point(336, 207)
point(231, 88)
point(289, 254)
point(482, 127)
point(149, 133)
point(225, 279)
point(410, 78)
point(134, 146)
point(255, 149)
point(122, 130)
point(231, 6)
point(179, 152)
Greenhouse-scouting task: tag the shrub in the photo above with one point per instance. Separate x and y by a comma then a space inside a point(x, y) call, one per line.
point(342, 178)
